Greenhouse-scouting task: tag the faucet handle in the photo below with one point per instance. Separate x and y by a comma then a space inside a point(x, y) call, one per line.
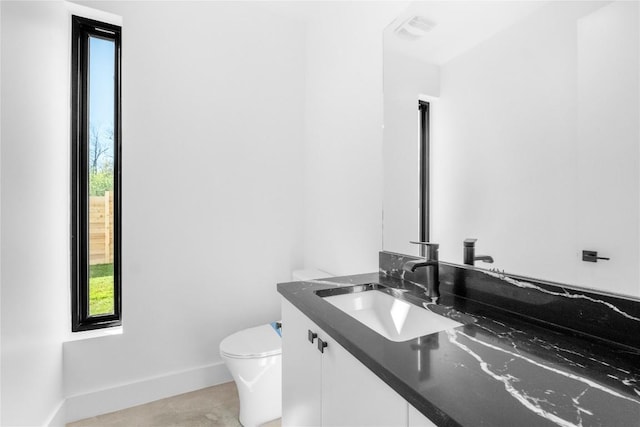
point(429, 244)
point(469, 243)
point(431, 254)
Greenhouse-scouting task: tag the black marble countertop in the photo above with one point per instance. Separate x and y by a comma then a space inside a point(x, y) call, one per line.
point(495, 370)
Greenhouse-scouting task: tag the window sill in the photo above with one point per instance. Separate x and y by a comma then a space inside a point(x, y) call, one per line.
point(95, 333)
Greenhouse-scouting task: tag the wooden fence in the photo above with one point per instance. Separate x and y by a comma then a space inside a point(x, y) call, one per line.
point(101, 229)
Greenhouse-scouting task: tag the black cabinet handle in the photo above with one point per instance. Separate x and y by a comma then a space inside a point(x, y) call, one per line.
point(322, 345)
point(311, 336)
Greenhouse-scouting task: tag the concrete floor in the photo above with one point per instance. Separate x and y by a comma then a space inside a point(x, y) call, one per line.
point(212, 406)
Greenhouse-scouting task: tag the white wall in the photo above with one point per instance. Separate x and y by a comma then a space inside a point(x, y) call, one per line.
point(244, 134)
point(536, 185)
point(212, 196)
point(35, 209)
point(608, 151)
point(343, 138)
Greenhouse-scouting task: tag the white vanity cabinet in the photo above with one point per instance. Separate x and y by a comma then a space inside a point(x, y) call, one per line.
point(301, 370)
point(352, 395)
point(331, 388)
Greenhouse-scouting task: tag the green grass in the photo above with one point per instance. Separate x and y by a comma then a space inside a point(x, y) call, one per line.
point(100, 289)
point(101, 270)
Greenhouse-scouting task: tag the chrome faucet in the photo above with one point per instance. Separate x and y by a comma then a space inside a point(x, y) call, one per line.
point(432, 264)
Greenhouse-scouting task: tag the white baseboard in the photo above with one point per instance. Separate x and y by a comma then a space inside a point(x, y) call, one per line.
point(58, 417)
point(88, 405)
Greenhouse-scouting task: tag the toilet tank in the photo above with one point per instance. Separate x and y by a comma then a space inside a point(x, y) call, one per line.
point(308, 274)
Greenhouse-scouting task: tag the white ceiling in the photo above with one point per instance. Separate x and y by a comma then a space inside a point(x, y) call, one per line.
point(460, 25)
point(309, 11)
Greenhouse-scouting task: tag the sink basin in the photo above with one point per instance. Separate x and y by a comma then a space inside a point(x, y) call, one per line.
point(393, 318)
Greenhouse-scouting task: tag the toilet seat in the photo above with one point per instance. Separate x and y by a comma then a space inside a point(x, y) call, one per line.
point(251, 343)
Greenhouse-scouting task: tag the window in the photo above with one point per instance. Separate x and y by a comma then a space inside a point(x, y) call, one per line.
point(95, 175)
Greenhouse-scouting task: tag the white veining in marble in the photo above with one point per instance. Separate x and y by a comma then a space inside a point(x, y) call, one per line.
point(559, 350)
point(531, 402)
point(565, 294)
point(327, 283)
point(527, 401)
point(586, 381)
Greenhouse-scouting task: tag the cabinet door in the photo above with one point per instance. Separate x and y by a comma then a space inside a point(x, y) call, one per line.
point(416, 419)
point(301, 370)
point(352, 395)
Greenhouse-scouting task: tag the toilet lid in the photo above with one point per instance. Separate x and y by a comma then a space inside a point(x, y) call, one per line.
point(260, 341)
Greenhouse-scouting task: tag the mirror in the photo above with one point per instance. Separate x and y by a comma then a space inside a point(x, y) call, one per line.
point(534, 136)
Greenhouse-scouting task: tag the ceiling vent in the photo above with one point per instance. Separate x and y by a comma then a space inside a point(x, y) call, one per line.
point(414, 27)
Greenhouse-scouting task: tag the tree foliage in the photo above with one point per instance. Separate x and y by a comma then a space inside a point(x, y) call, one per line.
point(100, 161)
point(99, 182)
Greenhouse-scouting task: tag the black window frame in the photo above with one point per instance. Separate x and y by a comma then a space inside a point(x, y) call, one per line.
point(425, 174)
point(82, 29)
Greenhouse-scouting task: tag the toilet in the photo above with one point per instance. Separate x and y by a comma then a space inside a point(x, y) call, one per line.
point(254, 358)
